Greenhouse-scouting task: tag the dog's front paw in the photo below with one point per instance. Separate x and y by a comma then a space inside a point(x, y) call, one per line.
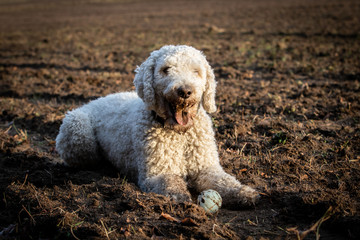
point(244, 196)
point(248, 196)
point(180, 197)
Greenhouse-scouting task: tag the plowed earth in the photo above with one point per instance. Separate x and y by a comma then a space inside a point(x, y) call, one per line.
point(288, 119)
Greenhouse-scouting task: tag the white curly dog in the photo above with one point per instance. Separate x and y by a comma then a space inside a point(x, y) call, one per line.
point(160, 137)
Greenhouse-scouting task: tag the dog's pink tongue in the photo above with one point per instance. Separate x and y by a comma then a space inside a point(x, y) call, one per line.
point(181, 118)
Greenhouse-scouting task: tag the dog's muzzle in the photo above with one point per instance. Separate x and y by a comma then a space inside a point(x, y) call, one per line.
point(181, 107)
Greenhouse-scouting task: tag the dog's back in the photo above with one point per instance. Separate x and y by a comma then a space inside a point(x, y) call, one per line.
point(105, 119)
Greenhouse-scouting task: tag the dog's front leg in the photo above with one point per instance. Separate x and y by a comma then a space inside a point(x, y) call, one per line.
point(160, 164)
point(234, 193)
point(169, 185)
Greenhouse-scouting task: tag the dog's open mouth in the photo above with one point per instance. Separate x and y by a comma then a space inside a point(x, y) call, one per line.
point(179, 114)
point(182, 117)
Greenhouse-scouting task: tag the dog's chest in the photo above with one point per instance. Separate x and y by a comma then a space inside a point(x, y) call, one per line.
point(171, 152)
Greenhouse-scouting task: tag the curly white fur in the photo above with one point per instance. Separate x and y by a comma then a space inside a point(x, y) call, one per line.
point(163, 140)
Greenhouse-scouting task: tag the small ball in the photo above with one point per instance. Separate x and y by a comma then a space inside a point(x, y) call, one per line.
point(210, 200)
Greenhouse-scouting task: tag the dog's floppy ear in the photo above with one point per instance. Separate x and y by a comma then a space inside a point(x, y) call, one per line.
point(143, 81)
point(208, 99)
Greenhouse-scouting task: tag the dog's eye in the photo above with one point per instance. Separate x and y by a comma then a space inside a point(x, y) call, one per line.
point(197, 72)
point(165, 70)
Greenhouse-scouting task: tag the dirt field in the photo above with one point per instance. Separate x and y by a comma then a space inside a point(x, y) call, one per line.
point(288, 119)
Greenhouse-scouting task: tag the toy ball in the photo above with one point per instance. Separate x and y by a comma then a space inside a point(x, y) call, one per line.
point(210, 200)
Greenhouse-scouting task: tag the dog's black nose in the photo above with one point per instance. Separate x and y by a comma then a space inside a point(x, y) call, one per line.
point(184, 92)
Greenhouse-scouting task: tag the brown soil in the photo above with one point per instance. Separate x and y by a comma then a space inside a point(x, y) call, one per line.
point(288, 119)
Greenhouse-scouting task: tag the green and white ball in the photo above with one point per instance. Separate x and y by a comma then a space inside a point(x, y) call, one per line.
point(210, 200)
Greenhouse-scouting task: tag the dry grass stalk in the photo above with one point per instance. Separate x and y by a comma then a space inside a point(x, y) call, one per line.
point(314, 228)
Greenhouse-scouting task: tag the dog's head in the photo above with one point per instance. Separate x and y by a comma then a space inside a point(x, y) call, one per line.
point(174, 82)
